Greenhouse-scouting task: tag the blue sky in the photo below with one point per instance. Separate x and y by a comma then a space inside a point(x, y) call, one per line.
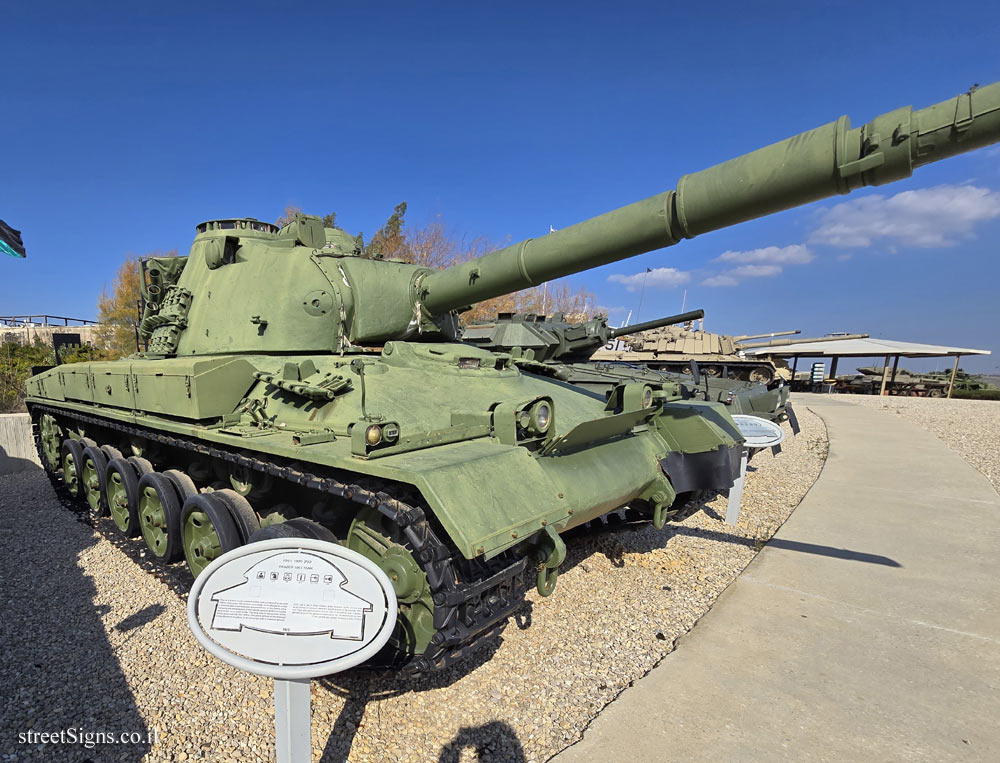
point(123, 128)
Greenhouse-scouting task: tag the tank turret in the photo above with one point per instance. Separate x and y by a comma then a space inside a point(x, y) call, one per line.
point(544, 338)
point(555, 347)
point(331, 300)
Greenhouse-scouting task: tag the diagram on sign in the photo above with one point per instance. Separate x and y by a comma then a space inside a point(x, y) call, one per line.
point(295, 593)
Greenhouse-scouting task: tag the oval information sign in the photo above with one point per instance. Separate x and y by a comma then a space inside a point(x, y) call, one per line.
point(292, 608)
point(758, 432)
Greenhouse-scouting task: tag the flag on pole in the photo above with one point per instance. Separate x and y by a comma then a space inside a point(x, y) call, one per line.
point(10, 241)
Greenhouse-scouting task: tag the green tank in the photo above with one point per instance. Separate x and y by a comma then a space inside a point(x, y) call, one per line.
point(552, 346)
point(292, 386)
point(868, 381)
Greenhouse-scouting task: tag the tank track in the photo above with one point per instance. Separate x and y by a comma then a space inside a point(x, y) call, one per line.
point(473, 600)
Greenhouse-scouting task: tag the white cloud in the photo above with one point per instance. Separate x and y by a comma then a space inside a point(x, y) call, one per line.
point(720, 280)
point(938, 216)
point(796, 254)
point(755, 271)
point(656, 278)
point(609, 311)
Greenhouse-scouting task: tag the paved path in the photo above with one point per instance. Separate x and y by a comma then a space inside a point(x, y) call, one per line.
point(868, 629)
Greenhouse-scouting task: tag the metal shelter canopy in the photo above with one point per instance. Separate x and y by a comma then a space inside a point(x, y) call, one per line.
point(869, 348)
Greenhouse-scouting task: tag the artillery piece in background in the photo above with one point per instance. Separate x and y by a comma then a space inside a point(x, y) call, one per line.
point(552, 346)
point(672, 348)
point(288, 375)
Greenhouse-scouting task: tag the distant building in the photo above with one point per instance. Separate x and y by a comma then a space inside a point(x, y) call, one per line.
point(49, 329)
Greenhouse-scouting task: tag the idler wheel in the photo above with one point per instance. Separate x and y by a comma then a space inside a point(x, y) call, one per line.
point(160, 517)
point(207, 530)
point(51, 435)
point(92, 475)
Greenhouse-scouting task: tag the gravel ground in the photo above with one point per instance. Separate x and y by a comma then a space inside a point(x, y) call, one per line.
point(92, 641)
point(971, 427)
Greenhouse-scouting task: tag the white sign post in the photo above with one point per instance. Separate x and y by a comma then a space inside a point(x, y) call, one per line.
point(292, 609)
point(757, 433)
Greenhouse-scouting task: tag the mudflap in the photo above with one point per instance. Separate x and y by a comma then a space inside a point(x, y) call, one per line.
point(711, 470)
point(792, 419)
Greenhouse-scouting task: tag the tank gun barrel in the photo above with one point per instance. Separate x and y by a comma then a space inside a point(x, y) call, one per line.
point(765, 336)
point(828, 160)
point(670, 320)
point(810, 340)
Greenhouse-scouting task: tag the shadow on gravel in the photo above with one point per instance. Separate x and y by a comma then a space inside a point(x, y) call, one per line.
point(494, 741)
point(141, 617)
point(59, 672)
point(791, 545)
point(359, 688)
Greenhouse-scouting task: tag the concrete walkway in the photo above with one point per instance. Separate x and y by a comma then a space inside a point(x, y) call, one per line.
point(868, 629)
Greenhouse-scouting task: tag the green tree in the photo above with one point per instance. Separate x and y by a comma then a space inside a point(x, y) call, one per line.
point(16, 361)
point(390, 241)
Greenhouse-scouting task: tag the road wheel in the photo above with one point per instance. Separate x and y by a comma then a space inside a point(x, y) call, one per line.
point(207, 530)
point(160, 517)
point(762, 375)
point(183, 484)
point(244, 517)
point(72, 462)
point(92, 475)
point(111, 452)
point(121, 482)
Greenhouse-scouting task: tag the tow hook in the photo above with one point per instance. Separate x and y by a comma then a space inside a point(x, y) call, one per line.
point(548, 552)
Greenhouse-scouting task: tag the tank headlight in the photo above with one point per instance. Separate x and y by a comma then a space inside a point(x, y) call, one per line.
point(541, 417)
point(647, 397)
point(524, 419)
point(373, 434)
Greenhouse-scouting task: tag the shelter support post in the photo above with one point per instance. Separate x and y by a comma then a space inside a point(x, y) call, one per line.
point(954, 373)
point(885, 375)
point(895, 366)
point(795, 364)
point(833, 366)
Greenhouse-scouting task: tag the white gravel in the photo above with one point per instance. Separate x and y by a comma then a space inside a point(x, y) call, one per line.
point(970, 427)
point(93, 641)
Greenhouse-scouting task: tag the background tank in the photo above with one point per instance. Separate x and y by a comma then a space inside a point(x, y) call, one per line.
point(672, 348)
point(868, 381)
point(288, 375)
point(552, 346)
